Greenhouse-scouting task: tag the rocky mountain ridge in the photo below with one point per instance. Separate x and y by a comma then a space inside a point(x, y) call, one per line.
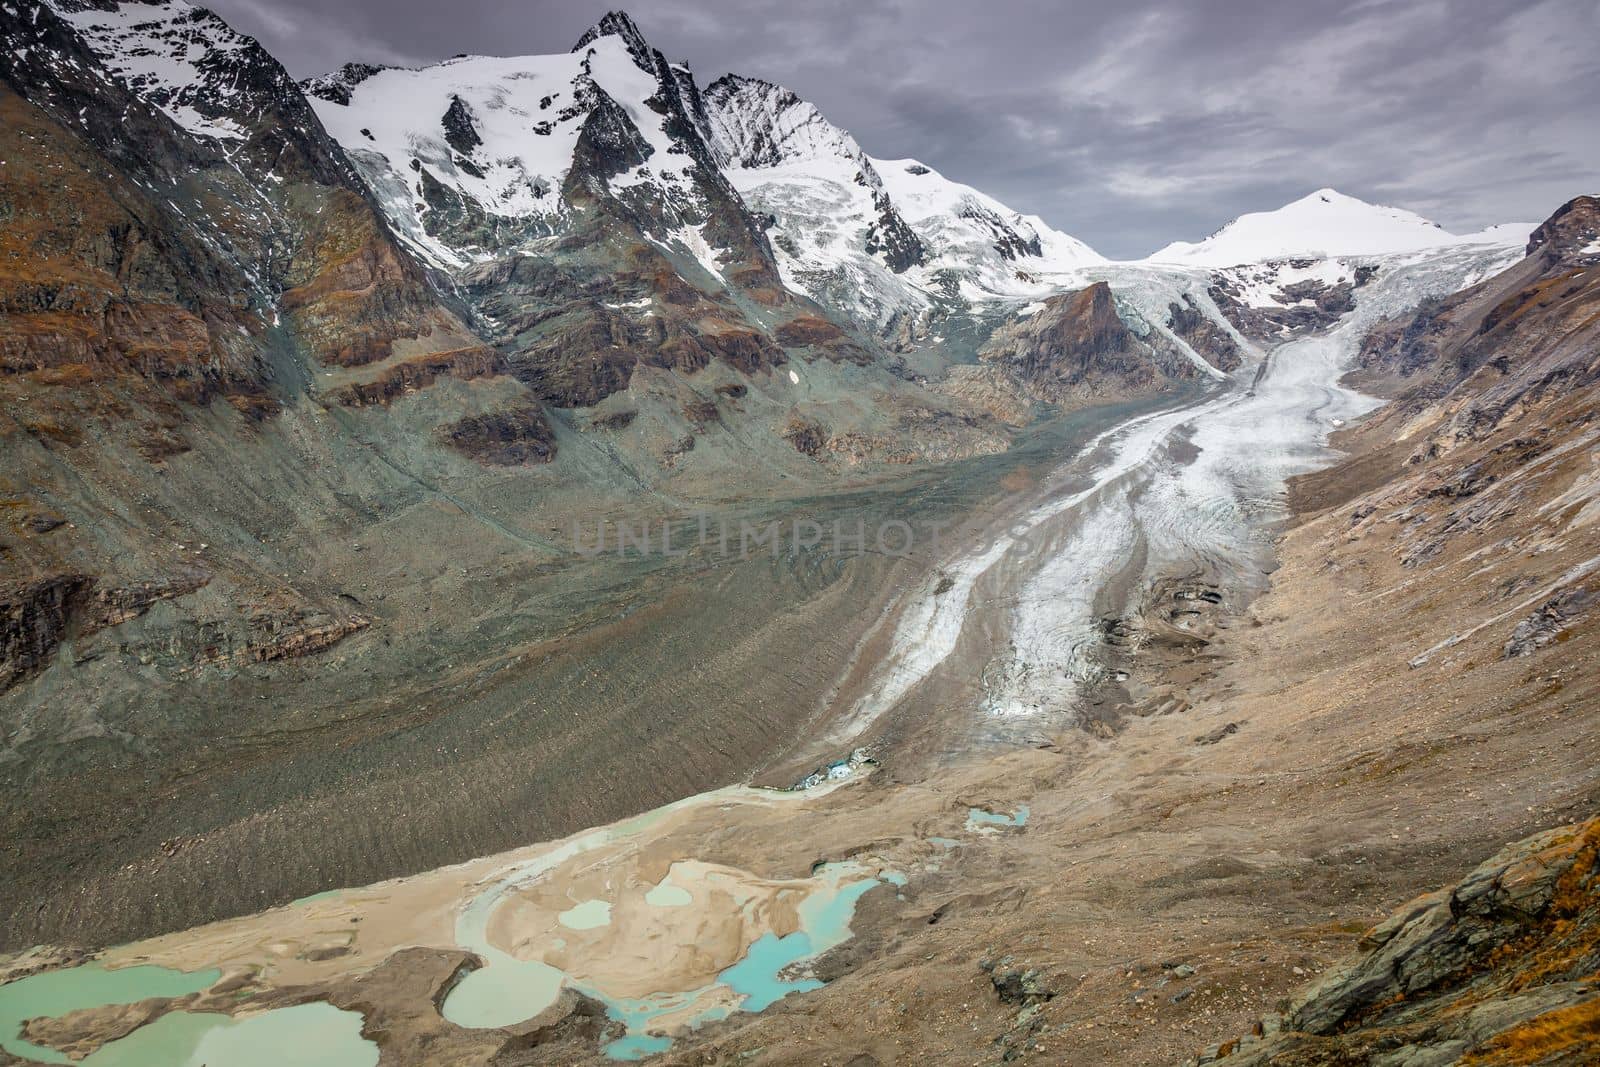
point(1496, 969)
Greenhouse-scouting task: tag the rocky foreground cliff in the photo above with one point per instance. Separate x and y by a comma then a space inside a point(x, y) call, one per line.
point(1498, 969)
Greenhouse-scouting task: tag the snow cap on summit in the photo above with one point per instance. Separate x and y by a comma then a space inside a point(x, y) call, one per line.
point(618, 24)
point(1323, 223)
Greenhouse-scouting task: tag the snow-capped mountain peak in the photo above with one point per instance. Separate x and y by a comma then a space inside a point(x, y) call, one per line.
point(878, 238)
point(483, 145)
point(755, 123)
point(765, 135)
point(1325, 223)
point(619, 24)
point(179, 58)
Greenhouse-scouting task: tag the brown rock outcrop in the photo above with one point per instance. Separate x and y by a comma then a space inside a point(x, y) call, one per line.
point(1213, 343)
point(504, 438)
point(1498, 969)
point(1078, 349)
point(418, 372)
point(815, 332)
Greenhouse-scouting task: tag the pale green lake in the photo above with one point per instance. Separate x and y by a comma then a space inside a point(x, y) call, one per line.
point(308, 1035)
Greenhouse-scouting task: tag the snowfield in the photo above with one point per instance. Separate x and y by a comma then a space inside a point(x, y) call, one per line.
point(1325, 224)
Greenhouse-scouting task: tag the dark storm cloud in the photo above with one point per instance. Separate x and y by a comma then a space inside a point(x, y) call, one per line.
point(1128, 125)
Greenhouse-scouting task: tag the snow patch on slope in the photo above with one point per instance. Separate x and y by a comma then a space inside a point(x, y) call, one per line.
point(963, 224)
point(839, 211)
point(169, 54)
point(693, 238)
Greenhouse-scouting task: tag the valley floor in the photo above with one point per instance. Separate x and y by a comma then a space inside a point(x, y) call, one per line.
point(508, 691)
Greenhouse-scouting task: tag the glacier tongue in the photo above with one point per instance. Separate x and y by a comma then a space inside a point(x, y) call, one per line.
point(1190, 490)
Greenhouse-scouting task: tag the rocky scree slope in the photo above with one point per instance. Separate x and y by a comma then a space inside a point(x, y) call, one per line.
point(197, 298)
point(1497, 390)
point(1479, 478)
point(179, 259)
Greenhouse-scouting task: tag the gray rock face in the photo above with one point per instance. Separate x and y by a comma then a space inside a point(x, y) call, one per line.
point(618, 24)
point(337, 85)
point(1205, 336)
point(1549, 621)
point(1504, 960)
point(459, 131)
point(33, 621)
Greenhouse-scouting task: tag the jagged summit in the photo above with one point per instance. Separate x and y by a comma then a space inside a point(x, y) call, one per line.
point(880, 239)
point(619, 24)
point(336, 86)
point(757, 123)
point(182, 59)
point(477, 154)
point(1322, 223)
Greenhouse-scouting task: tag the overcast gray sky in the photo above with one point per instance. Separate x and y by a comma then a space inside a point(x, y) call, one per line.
point(1127, 124)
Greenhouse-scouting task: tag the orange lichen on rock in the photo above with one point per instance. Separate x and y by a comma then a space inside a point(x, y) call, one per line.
point(353, 295)
point(1566, 1035)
